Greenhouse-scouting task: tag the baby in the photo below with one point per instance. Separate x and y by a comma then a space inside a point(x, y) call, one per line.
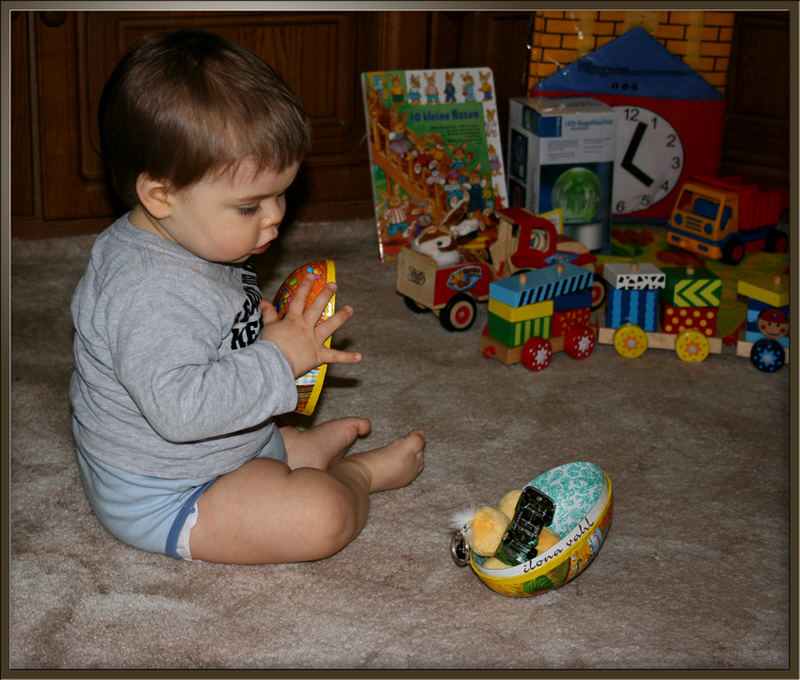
point(180, 367)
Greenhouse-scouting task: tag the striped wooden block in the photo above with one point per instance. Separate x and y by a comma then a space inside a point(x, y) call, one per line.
point(638, 307)
point(537, 285)
point(514, 334)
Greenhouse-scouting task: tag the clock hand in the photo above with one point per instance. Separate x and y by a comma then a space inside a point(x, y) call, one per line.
point(633, 147)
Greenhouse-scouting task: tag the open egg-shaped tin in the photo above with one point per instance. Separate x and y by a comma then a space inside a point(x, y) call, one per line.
point(584, 505)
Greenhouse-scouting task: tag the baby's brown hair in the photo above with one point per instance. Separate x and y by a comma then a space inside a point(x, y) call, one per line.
point(188, 103)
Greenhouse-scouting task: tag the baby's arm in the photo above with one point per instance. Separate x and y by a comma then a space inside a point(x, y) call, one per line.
point(300, 336)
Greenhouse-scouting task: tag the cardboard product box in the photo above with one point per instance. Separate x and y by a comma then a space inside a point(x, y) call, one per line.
point(561, 157)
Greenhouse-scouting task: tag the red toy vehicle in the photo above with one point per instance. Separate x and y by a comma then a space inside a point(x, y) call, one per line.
point(522, 241)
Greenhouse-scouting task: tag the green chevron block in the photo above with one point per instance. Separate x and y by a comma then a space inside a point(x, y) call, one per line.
point(691, 287)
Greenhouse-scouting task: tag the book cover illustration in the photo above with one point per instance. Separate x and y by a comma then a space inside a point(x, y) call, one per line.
point(435, 148)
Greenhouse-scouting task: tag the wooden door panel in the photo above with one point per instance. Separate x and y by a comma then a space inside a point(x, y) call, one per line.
point(22, 181)
point(314, 52)
point(756, 143)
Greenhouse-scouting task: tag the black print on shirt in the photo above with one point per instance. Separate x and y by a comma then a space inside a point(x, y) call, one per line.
point(247, 325)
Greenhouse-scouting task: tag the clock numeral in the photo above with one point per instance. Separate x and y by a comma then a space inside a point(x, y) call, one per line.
point(631, 114)
point(620, 207)
point(676, 162)
point(645, 202)
point(671, 140)
point(665, 186)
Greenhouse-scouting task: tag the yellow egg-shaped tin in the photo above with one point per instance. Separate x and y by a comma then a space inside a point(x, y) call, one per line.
point(584, 505)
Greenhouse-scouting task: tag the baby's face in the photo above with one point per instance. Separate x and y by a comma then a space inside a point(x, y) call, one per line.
point(229, 218)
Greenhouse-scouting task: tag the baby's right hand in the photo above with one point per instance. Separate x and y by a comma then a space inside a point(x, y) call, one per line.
point(300, 335)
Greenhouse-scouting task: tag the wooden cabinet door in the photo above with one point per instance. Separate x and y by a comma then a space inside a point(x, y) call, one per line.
point(756, 143)
point(316, 52)
point(320, 54)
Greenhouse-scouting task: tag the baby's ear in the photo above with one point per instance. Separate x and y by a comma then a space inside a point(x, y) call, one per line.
point(153, 195)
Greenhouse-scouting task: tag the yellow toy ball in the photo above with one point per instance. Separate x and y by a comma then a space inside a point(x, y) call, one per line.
point(309, 386)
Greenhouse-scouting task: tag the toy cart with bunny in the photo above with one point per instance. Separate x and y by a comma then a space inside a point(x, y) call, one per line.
point(447, 271)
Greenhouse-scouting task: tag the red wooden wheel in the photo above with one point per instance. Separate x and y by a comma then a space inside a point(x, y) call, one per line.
point(536, 354)
point(579, 342)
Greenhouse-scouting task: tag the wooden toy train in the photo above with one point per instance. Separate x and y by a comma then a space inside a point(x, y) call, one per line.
point(534, 314)
point(674, 308)
point(764, 333)
point(544, 291)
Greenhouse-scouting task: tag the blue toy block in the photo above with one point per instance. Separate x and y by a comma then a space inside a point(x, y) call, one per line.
point(537, 285)
point(638, 307)
point(564, 303)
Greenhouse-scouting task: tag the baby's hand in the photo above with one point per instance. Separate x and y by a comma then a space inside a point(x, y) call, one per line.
point(300, 335)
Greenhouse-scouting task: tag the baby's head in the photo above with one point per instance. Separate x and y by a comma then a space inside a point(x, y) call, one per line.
point(188, 104)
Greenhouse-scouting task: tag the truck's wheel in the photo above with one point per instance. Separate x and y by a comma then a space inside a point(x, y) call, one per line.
point(777, 241)
point(733, 251)
point(459, 313)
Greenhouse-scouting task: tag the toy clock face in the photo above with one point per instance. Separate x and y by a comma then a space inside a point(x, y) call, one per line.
point(649, 159)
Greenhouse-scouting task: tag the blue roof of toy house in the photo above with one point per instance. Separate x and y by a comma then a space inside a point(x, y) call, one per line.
point(635, 64)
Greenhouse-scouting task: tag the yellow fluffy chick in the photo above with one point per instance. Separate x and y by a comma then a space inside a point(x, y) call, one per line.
point(508, 503)
point(486, 531)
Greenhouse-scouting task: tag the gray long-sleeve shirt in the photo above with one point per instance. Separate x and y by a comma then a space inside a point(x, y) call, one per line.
point(171, 376)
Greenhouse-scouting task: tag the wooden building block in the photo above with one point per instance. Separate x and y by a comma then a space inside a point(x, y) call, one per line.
point(563, 321)
point(634, 276)
point(582, 298)
point(692, 287)
point(769, 289)
point(516, 314)
point(765, 321)
point(679, 319)
point(638, 307)
point(514, 334)
point(526, 288)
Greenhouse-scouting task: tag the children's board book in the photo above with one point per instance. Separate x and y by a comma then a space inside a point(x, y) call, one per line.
point(435, 148)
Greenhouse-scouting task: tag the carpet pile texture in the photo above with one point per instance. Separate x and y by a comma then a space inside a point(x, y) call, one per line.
point(694, 574)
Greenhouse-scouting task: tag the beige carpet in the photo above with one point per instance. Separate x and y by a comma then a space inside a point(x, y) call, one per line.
point(694, 573)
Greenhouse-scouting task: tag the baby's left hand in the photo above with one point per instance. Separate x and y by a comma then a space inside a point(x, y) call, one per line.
point(300, 335)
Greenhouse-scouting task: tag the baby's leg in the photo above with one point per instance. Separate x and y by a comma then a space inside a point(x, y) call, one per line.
point(390, 466)
point(267, 512)
point(318, 446)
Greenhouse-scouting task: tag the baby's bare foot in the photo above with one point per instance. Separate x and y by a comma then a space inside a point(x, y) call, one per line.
point(395, 464)
point(319, 446)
